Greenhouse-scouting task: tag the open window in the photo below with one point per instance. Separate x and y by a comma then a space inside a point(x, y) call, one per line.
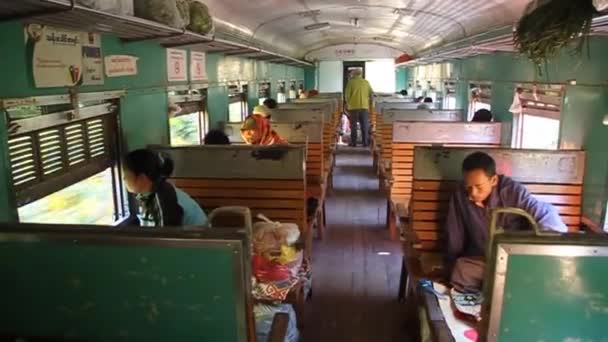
point(282, 94)
point(64, 159)
point(263, 92)
point(449, 99)
point(293, 92)
point(418, 91)
point(237, 103)
point(480, 97)
point(537, 122)
point(300, 87)
point(189, 125)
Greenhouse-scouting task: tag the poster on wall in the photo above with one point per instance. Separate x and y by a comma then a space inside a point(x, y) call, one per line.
point(121, 65)
point(176, 65)
point(92, 59)
point(56, 56)
point(198, 70)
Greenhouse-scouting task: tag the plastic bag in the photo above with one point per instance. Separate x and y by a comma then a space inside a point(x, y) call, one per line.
point(268, 271)
point(183, 6)
point(269, 237)
point(120, 7)
point(162, 11)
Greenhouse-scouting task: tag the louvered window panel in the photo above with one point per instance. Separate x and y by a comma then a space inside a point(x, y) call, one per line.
point(50, 147)
point(50, 159)
point(541, 100)
point(22, 158)
point(75, 141)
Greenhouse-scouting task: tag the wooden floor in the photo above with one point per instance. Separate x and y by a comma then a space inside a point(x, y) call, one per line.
point(356, 267)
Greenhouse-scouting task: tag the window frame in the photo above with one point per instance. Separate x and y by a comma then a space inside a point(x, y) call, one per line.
point(76, 136)
point(449, 91)
point(282, 92)
point(540, 100)
point(193, 100)
point(237, 95)
point(479, 92)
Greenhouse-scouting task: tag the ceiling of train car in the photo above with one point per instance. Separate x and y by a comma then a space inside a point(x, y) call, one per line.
point(407, 25)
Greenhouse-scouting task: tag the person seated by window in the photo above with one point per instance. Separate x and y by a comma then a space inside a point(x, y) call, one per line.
point(403, 92)
point(419, 99)
point(468, 220)
point(270, 103)
point(256, 130)
point(216, 137)
point(160, 203)
point(425, 105)
point(482, 115)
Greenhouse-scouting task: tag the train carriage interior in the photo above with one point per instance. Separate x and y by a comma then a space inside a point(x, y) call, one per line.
point(304, 170)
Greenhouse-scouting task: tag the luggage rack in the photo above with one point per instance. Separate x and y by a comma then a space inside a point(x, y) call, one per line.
point(67, 14)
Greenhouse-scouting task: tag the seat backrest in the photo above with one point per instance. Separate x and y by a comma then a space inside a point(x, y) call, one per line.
point(106, 284)
point(408, 135)
point(313, 114)
point(555, 177)
point(309, 134)
point(386, 120)
point(268, 180)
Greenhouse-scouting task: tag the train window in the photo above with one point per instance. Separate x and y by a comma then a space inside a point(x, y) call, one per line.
point(263, 92)
point(292, 90)
point(480, 97)
point(539, 111)
point(87, 202)
point(191, 123)
point(237, 104)
point(64, 165)
point(449, 99)
point(282, 94)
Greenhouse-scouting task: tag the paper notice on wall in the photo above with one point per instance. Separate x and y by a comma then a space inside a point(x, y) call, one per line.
point(92, 59)
point(56, 56)
point(198, 71)
point(176, 65)
point(121, 65)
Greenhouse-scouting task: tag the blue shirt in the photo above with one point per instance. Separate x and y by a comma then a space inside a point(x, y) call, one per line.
point(193, 214)
point(467, 225)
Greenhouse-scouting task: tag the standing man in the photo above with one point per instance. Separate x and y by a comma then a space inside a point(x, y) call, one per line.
point(358, 94)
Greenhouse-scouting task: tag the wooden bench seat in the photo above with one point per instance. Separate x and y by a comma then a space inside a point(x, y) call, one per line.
point(407, 136)
point(554, 177)
point(383, 136)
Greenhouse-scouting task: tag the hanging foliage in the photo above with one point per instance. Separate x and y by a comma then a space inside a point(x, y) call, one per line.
point(550, 25)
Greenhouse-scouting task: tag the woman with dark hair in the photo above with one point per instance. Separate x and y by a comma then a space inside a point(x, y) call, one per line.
point(216, 137)
point(160, 203)
point(482, 115)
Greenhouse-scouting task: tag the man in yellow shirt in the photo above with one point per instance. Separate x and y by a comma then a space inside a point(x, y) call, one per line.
point(358, 93)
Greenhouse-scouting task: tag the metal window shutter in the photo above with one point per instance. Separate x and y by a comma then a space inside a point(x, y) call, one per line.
point(48, 160)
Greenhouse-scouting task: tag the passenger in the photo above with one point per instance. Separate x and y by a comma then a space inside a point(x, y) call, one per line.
point(270, 103)
point(425, 105)
point(403, 92)
point(419, 99)
point(216, 137)
point(256, 130)
point(468, 219)
point(358, 94)
point(160, 203)
point(261, 110)
point(482, 115)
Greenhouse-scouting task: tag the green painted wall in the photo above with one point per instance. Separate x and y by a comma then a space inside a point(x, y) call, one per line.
point(401, 79)
point(585, 104)
point(310, 78)
point(143, 113)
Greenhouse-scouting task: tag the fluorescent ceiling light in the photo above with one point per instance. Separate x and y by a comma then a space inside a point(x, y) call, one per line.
point(385, 38)
point(319, 26)
point(312, 13)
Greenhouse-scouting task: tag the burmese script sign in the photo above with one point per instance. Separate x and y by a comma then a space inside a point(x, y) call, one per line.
point(121, 65)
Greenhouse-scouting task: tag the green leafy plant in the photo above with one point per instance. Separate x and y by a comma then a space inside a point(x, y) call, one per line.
point(550, 25)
